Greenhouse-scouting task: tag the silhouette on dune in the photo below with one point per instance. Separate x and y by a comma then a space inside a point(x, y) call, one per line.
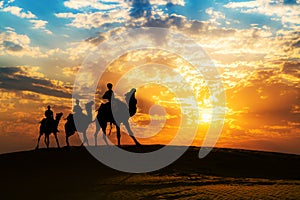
point(47, 127)
point(117, 113)
point(83, 121)
point(122, 112)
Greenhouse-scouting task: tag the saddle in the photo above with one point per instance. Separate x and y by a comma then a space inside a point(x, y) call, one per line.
point(47, 123)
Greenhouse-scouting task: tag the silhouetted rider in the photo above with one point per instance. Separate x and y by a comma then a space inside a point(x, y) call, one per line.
point(77, 109)
point(49, 113)
point(109, 94)
point(48, 122)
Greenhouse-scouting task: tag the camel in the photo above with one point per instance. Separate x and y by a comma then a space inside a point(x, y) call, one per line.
point(82, 123)
point(122, 112)
point(47, 127)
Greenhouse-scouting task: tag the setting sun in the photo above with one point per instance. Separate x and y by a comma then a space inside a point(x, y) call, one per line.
point(206, 117)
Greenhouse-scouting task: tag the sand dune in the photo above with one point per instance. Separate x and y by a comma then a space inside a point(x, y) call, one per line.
point(225, 173)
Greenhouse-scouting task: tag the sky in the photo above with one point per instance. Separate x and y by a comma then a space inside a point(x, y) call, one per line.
point(254, 45)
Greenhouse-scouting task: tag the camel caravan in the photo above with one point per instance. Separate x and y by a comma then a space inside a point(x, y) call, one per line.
point(79, 122)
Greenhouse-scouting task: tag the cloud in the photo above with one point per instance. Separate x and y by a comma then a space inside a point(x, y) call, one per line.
point(15, 44)
point(28, 79)
point(1, 4)
point(10, 46)
point(140, 9)
point(286, 11)
point(19, 12)
point(37, 24)
point(70, 71)
point(80, 4)
point(134, 13)
point(40, 24)
point(215, 16)
point(292, 67)
point(296, 44)
point(168, 2)
point(246, 4)
point(95, 19)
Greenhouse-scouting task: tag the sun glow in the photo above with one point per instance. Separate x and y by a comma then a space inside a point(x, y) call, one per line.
point(206, 117)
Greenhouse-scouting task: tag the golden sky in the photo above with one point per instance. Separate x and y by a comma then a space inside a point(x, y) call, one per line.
point(254, 46)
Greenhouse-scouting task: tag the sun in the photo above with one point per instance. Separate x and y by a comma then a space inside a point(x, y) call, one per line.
point(206, 117)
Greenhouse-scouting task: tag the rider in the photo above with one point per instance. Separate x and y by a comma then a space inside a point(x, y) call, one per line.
point(49, 117)
point(109, 94)
point(49, 113)
point(77, 109)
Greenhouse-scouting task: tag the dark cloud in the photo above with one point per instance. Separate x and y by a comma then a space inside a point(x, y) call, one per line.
point(296, 44)
point(171, 20)
point(292, 68)
point(10, 80)
point(140, 8)
point(197, 26)
point(95, 40)
point(12, 46)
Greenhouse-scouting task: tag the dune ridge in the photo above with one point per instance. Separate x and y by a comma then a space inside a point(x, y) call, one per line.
point(75, 174)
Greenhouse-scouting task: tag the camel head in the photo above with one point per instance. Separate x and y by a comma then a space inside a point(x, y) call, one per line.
point(89, 105)
point(88, 108)
point(58, 116)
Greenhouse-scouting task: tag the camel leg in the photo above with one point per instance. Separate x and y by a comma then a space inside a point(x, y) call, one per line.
point(55, 135)
point(47, 142)
point(67, 140)
point(85, 140)
point(37, 146)
point(96, 133)
point(131, 133)
point(38, 141)
point(111, 124)
point(104, 135)
point(103, 127)
point(118, 134)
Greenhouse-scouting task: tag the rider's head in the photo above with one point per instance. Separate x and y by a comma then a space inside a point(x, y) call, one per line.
point(77, 101)
point(109, 86)
point(48, 107)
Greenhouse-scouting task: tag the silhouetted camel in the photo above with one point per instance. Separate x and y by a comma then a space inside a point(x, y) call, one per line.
point(82, 124)
point(121, 111)
point(70, 128)
point(48, 127)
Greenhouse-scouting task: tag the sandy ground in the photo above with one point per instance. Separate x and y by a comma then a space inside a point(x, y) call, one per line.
point(224, 174)
point(195, 187)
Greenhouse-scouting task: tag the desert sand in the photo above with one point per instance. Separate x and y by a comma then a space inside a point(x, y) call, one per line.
point(224, 174)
